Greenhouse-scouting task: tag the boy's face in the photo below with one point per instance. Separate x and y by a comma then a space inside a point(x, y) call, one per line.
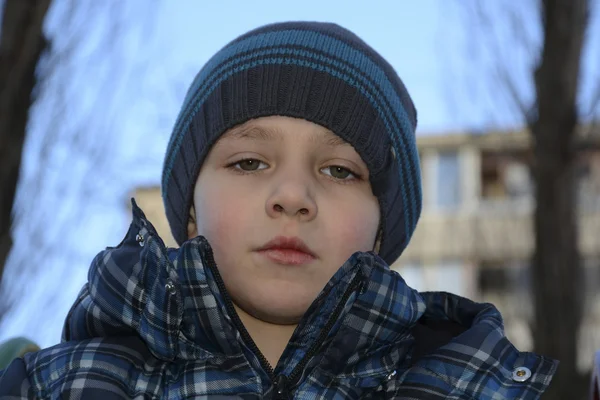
point(280, 177)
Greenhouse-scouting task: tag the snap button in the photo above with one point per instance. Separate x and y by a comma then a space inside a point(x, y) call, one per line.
point(521, 374)
point(390, 376)
point(140, 239)
point(170, 287)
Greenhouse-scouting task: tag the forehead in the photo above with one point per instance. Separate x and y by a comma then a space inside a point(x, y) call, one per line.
point(281, 128)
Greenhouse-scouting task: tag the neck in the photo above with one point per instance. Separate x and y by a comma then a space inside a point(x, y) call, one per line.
point(271, 339)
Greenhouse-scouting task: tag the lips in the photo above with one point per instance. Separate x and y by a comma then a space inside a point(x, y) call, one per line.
point(287, 251)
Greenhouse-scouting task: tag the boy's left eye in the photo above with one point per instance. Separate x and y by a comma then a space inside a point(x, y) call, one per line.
point(337, 172)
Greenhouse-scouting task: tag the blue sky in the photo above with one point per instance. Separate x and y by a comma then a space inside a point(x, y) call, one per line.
point(126, 97)
point(407, 34)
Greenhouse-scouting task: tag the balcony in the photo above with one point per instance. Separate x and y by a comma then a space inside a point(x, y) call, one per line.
point(494, 229)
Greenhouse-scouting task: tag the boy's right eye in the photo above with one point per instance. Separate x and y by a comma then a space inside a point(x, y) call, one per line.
point(248, 164)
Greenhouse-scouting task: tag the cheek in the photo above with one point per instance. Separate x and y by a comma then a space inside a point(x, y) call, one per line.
point(211, 203)
point(223, 216)
point(354, 226)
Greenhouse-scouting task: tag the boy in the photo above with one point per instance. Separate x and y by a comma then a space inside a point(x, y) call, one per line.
point(291, 182)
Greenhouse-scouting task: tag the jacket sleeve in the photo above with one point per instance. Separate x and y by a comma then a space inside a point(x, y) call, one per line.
point(14, 383)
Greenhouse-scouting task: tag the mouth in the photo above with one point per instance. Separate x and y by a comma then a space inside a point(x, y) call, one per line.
point(287, 251)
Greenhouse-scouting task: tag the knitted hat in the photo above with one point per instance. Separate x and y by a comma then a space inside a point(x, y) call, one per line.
point(322, 73)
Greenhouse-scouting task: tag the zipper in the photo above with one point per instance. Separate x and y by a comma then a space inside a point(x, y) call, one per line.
point(355, 284)
point(212, 265)
point(282, 384)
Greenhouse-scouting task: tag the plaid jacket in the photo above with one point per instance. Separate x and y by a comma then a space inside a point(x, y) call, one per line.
point(157, 323)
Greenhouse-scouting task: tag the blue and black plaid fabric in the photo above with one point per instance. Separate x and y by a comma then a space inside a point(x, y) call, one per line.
point(152, 323)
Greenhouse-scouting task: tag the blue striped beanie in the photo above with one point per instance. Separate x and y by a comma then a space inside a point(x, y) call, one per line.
point(322, 73)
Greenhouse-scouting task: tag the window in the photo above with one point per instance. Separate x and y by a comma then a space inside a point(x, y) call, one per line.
point(448, 276)
point(507, 284)
point(587, 174)
point(448, 180)
point(591, 287)
point(505, 175)
point(412, 274)
point(517, 179)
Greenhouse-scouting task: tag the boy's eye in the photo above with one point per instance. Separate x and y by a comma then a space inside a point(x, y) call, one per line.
point(249, 164)
point(338, 172)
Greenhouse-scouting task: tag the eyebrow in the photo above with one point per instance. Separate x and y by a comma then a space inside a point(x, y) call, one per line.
point(251, 133)
point(259, 133)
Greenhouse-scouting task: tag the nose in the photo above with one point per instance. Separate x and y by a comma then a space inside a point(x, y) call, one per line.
point(291, 195)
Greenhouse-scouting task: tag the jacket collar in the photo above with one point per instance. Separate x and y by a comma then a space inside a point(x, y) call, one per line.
point(480, 362)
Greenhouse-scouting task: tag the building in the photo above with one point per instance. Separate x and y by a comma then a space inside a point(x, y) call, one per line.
point(475, 236)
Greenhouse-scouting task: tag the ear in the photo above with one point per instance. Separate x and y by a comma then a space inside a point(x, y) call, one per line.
point(192, 227)
point(377, 244)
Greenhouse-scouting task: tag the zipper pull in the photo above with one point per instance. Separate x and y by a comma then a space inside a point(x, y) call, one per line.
point(281, 389)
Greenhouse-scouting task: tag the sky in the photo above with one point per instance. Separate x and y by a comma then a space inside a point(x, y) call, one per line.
point(126, 96)
point(397, 32)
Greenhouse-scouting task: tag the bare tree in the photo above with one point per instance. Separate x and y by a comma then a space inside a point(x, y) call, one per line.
point(557, 267)
point(70, 170)
point(544, 91)
point(21, 46)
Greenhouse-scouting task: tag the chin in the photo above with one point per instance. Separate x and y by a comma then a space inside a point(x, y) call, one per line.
point(282, 309)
